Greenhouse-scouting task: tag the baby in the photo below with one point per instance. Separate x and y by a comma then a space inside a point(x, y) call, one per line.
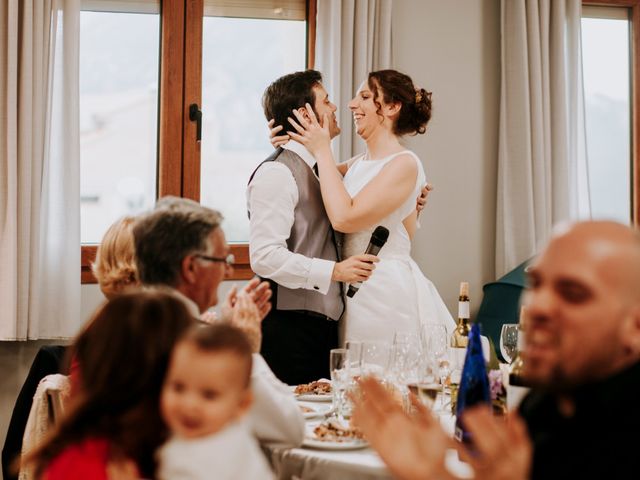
point(204, 397)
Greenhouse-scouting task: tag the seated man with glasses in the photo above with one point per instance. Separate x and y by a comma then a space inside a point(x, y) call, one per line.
point(181, 245)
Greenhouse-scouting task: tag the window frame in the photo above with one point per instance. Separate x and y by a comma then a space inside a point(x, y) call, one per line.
point(180, 85)
point(634, 19)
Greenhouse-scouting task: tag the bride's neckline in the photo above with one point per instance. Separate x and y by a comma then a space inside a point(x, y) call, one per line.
point(367, 158)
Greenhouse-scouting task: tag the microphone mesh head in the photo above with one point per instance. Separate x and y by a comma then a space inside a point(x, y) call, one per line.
point(379, 236)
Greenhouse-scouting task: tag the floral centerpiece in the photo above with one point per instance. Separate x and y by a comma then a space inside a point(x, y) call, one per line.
point(498, 392)
point(497, 389)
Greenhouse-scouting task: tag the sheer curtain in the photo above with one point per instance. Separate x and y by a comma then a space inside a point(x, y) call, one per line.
point(353, 37)
point(542, 176)
point(39, 169)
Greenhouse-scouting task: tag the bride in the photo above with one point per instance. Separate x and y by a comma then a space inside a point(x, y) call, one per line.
point(379, 188)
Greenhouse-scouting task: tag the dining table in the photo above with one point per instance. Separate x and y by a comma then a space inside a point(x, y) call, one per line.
point(333, 462)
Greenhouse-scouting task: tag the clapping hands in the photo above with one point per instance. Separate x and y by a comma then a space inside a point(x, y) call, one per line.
point(246, 309)
point(414, 445)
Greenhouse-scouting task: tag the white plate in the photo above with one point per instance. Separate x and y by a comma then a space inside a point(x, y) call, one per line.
point(311, 441)
point(319, 410)
point(314, 397)
point(325, 445)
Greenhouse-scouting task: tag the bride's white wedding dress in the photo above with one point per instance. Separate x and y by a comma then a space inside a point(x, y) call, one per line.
point(397, 296)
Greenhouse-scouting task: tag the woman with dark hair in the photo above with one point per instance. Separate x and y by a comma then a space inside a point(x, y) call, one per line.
point(113, 424)
point(379, 188)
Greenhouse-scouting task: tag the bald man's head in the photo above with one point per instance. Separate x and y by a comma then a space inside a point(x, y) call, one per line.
point(584, 305)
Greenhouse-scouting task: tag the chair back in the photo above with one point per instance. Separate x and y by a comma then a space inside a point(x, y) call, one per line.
point(501, 303)
point(48, 360)
point(46, 411)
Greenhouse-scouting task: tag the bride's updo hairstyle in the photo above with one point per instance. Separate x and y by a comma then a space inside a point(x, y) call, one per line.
point(393, 86)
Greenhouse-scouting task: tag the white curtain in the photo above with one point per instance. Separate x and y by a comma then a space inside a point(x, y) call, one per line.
point(353, 37)
point(39, 169)
point(542, 176)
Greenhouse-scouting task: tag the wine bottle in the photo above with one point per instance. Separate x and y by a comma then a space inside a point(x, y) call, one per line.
point(516, 370)
point(474, 383)
point(460, 337)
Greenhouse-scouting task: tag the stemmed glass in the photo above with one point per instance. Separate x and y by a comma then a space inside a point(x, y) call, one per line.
point(354, 350)
point(340, 379)
point(376, 356)
point(405, 357)
point(436, 340)
point(509, 341)
point(354, 359)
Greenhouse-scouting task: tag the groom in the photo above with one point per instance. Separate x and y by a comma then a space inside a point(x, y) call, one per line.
point(293, 245)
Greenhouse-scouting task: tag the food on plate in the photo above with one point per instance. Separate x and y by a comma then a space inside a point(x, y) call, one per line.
point(319, 387)
point(304, 409)
point(333, 431)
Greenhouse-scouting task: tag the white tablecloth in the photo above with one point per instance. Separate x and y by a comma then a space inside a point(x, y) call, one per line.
point(364, 464)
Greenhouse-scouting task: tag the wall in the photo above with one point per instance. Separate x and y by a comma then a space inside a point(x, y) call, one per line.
point(452, 48)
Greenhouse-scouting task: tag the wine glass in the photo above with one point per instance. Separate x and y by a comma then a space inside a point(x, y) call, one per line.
point(376, 356)
point(354, 350)
point(426, 387)
point(509, 341)
point(405, 356)
point(436, 341)
point(339, 368)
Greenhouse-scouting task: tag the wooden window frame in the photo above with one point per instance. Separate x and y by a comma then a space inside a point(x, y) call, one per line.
point(183, 74)
point(634, 16)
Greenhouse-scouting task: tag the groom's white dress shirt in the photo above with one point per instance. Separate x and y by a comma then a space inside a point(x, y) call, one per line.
point(272, 197)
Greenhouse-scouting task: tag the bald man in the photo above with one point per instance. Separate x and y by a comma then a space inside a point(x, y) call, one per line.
point(582, 357)
point(582, 354)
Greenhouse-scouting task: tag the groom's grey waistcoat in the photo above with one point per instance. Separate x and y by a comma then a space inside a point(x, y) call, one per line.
point(312, 236)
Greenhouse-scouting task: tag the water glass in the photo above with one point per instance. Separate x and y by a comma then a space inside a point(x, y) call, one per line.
point(340, 379)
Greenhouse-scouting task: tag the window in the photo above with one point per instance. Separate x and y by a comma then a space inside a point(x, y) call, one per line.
point(142, 67)
point(118, 117)
point(611, 108)
point(234, 133)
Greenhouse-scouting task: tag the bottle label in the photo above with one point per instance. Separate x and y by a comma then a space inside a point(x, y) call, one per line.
point(463, 310)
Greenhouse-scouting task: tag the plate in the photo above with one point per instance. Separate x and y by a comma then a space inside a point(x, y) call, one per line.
point(314, 397)
point(319, 410)
point(311, 441)
point(325, 445)
point(311, 397)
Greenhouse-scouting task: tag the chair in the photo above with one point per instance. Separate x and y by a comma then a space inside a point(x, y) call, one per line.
point(501, 303)
point(48, 360)
point(46, 410)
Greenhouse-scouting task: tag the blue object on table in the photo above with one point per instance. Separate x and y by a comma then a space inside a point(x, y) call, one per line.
point(501, 303)
point(474, 383)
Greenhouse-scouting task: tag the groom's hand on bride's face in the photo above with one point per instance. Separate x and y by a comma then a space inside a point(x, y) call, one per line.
point(355, 269)
point(275, 139)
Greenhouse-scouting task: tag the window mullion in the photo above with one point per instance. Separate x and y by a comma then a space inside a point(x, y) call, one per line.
point(171, 98)
point(192, 95)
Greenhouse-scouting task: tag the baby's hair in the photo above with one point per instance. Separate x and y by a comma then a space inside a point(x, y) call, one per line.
point(221, 338)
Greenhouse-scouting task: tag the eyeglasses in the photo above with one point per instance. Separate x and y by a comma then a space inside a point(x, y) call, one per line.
point(229, 259)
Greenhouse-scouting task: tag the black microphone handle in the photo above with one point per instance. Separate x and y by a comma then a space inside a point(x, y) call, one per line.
point(372, 249)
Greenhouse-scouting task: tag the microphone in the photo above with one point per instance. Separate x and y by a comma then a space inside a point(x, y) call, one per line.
point(378, 239)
